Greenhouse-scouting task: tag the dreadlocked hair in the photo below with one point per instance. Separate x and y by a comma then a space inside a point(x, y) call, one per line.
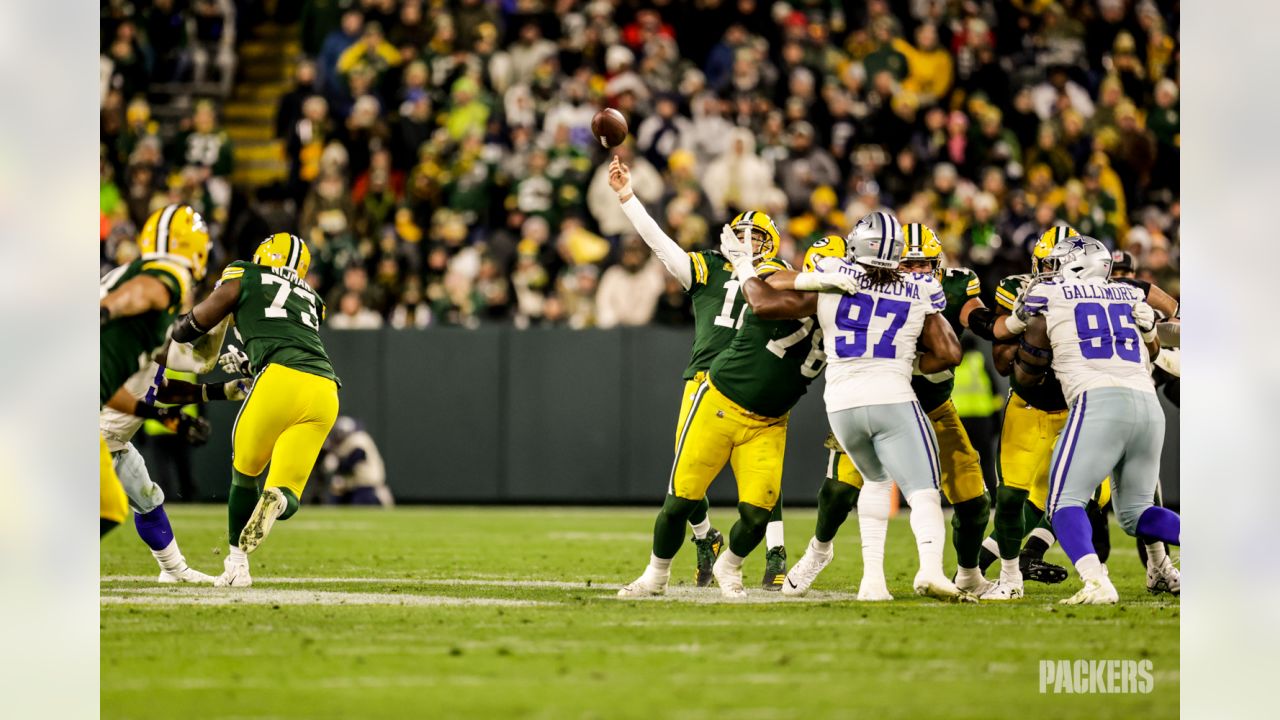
point(878, 276)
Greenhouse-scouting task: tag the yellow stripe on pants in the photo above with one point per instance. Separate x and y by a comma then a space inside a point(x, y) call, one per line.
point(284, 421)
point(113, 505)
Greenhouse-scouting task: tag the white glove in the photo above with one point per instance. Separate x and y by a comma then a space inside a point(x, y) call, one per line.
point(826, 282)
point(1015, 324)
point(237, 389)
point(738, 252)
point(1144, 318)
point(235, 362)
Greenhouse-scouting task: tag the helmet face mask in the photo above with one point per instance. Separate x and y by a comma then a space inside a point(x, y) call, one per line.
point(876, 240)
point(764, 234)
point(921, 245)
point(1045, 245)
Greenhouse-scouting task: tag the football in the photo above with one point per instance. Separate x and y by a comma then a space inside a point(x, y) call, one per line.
point(609, 127)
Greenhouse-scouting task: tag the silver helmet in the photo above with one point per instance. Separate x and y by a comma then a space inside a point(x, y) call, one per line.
point(877, 241)
point(1079, 258)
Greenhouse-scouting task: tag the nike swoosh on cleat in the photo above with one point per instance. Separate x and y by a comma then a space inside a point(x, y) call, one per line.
point(793, 585)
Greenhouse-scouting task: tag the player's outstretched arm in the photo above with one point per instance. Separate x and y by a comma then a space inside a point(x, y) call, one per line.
point(205, 316)
point(1034, 354)
point(943, 346)
point(667, 250)
point(140, 294)
point(772, 303)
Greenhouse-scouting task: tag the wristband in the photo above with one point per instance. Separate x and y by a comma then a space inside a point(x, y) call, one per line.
point(213, 391)
point(1034, 351)
point(147, 412)
point(187, 329)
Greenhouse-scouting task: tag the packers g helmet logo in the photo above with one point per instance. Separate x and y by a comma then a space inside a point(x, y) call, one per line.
point(763, 232)
point(1046, 243)
point(177, 232)
point(284, 250)
point(829, 246)
point(922, 245)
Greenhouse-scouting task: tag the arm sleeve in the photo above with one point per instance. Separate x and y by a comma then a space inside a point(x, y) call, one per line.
point(673, 258)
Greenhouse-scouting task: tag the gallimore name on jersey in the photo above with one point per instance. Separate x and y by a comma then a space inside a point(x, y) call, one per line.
point(1102, 292)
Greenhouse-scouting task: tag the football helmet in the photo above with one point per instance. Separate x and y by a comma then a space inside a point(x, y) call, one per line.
point(1079, 258)
point(284, 250)
point(829, 246)
point(922, 244)
point(877, 241)
point(1046, 243)
point(764, 234)
point(177, 232)
point(1122, 261)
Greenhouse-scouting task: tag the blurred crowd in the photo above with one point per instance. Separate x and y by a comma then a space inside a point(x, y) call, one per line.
point(442, 168)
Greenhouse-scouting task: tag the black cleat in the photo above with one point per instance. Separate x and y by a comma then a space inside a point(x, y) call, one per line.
point(708, 550)
point(1042, 572)
point(775, 569)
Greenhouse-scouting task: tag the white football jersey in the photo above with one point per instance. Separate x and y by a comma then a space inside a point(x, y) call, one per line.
point(870, 338)
point(1095, 342)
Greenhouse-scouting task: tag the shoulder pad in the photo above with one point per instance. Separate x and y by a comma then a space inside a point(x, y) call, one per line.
point(771, 266)
point(174, 274)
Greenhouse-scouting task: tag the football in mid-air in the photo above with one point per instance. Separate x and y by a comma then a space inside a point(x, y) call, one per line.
point(609, 127)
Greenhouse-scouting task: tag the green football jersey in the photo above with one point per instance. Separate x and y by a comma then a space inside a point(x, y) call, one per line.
point(959, 284)
point(769, 363)
point(1047, 395)
point(125, 343)
point(279, 317)
point(718, 307)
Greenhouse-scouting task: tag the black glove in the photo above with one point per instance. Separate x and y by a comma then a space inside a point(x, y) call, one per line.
point(194, 429)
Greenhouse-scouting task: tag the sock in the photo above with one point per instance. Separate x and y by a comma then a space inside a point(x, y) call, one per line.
point(1071, 525)
point(969, 521)
point(1155, 553)
point(105, 526)
point(1033, 517)
point(1038, 543)
point(700, 510)
point(968, 575)
point(1161, 524)
point(928, 525)
point(238, 556)
point(668, 528)
point(170, 558)
point(1010, 514)
point(1010, 572)
point(747, 533)
point(989, 554)
point(241, 500)
point(773, 536)
point(835, 501)
point(154, 528)
point(822, 548)
point(873, 524)
point(1090, 567)
point(1101, 533)
point(290, 503)
point(701, 529)
point(732, 559)
point(659, 568)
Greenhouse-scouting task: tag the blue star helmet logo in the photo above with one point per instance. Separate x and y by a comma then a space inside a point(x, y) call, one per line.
point(1077, 244)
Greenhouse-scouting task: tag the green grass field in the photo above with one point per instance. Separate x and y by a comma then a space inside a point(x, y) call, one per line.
point(510, 612)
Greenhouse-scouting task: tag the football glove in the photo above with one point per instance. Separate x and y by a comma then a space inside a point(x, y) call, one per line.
point(737, 250)
point(1144, 318)
point(194, 429)
point(826, 282)
point(235, 362)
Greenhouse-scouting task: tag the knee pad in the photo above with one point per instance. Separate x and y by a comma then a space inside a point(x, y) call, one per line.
point(144, 495)
point(679, 509)
point(837, 495)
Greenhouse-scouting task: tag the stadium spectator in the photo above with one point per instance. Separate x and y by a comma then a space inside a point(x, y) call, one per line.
point(629, 291)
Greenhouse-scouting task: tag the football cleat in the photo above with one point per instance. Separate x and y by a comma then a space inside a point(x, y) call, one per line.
point(941, 588)
point(1164, 578)
point(973, 583)
point(1003, 590)
point(270, 504)
point(1037, 570)
point(644, 586)
point(185, 575)
point(803, 573)
point(873, 591)
point(709, 549)
point(729, 579)
point(1095, 592)
point(775, 568)
point(234, 574)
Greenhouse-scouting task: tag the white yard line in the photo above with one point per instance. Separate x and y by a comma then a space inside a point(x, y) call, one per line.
point(459, 582)
point(204, 595)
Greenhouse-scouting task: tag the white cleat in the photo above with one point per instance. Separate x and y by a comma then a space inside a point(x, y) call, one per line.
point(234, 574)
point(1094, 592)
point(269, 507)
point(729, 579)
point(869, 591)
point(973, 582)
point(643, 586)
point(1163, 578)
point(185, 575)
point(1003, 590)
point(941, 588)
point(802, 574)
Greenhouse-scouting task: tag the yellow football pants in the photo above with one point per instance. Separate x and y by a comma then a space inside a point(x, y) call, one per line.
point(959, 461)
point(1027, 438)
point(715, 430)
point(284, 421)
point(113, 505)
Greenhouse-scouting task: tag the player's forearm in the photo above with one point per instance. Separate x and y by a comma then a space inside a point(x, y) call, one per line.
point(671, 255)
point(123, 401)
point(931, 362)
point(1002, 355)
point(180, 392)
point(206, 316)
point(770, 303)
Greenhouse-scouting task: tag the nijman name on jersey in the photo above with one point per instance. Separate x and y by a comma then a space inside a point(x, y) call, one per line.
point(288, 274)
point(1113, 291)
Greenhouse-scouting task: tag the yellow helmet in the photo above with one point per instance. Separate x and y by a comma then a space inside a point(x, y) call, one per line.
point(1045, 245)
point(759, 223)
point(177, 232)
point(284, 250)
point(922, 244)
point(829, 246)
